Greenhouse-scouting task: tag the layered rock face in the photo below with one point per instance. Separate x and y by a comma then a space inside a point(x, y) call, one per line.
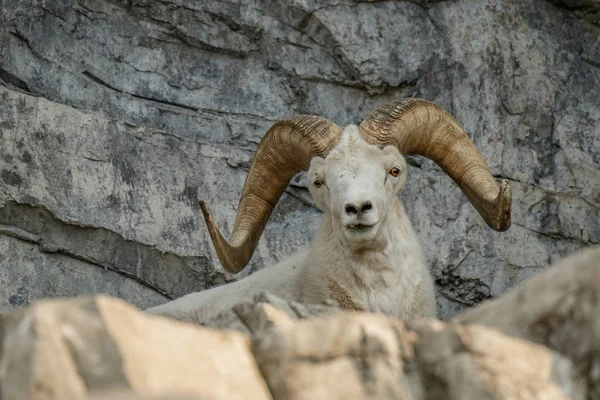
point(540, 341)
point(116, 117)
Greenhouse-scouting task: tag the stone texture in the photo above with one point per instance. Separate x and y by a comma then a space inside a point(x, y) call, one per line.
point(129, 395)
point(117, 117)
point(100, 348)
point(472, 362)
point(43, 274)
point(266, 311)
point(559, 309)
point(67, 349)
point(350, 356)
point(366, 353)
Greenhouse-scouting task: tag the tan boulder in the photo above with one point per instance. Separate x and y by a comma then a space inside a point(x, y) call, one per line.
point(131, 395)
point(559, 308)
point(67, 349)
point(101, 348)
point(266, 310)
point(362, 356)
point(475, 362)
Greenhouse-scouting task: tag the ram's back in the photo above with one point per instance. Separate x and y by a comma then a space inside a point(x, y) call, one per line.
point(284, 279)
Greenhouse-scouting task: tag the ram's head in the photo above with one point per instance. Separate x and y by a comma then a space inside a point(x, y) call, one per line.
point(409, 126)
point(356, 185)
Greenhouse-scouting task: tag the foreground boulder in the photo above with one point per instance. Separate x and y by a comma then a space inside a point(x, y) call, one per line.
point(541, 342)
point(559, 308)
point(68, 349)
point(352, 356)
point(96, 346)
point(267, 310)
point(131, 395)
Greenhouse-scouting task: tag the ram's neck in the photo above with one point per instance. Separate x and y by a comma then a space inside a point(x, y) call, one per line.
point(385, 279)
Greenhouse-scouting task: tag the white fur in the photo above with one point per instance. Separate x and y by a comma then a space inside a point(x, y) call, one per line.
point(379, 269)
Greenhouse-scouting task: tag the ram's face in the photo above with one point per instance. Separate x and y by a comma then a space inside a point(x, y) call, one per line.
point(356, 185)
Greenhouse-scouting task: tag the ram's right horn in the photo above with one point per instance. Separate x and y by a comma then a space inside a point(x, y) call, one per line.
point(285, 150)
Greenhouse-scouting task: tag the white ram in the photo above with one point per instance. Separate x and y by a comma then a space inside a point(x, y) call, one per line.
point(365, 255)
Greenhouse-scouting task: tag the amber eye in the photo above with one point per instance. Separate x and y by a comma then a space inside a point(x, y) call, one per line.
point(394, 172)
point(318, 183)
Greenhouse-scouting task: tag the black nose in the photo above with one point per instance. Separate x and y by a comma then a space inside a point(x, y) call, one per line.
point(353, 209)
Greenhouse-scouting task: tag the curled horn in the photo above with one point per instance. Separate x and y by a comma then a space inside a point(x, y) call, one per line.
point(285, 150)
point(418, 126)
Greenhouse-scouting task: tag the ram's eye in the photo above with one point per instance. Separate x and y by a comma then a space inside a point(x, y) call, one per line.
point(394, 172)
point(318, 183)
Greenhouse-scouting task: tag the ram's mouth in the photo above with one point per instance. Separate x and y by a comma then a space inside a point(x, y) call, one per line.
point(359, 227)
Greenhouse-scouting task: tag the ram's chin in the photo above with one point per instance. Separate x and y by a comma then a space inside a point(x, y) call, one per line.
point(360, 234)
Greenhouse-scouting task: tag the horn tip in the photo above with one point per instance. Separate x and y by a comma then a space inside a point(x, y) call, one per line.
point(204, 210)
point(221, 246)
point(504, 206)
point(505, 196)
point(210, 224)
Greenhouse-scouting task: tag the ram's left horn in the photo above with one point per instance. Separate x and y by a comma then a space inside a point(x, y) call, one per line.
point(418, 126)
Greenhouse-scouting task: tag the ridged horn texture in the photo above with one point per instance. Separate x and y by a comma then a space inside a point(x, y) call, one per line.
point(285, 150)
point(418, 126)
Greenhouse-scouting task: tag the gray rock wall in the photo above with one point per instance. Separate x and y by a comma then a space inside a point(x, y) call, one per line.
point(117, 116)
